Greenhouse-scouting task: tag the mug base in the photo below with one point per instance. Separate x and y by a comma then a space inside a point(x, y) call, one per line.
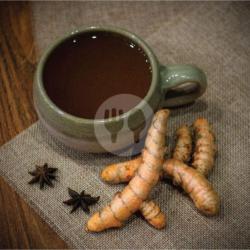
point(89, 146)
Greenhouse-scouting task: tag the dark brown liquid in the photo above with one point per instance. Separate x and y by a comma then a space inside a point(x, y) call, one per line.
point(87, 69)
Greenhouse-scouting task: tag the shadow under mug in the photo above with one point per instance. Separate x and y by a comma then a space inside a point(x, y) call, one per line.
point(171, 86)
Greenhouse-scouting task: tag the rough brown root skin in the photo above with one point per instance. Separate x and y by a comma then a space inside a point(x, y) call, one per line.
point(153, 214)
point(110, 173)
point(195, 185)
point(205, 148)
point(121, 172)
point(197, 181)
point(183, 146)
point(99, 220)
point(141, 184)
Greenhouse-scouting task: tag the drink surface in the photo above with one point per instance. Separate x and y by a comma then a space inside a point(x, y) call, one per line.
point(87, 69)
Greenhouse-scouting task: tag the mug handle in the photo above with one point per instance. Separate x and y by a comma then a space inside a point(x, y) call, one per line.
point(181, 84)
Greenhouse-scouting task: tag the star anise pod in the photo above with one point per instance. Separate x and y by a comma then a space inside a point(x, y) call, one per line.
point(80, 200)
point(43, 175)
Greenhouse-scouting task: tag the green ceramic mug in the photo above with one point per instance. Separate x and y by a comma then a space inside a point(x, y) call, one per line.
point(171, 86)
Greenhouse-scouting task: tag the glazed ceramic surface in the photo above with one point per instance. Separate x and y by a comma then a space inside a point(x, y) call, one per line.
point(172, 85)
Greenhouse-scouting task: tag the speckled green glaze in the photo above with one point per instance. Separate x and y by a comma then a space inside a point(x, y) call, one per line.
point(79, 133)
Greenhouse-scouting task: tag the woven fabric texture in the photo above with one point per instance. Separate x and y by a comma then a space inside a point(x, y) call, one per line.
point(214, 36)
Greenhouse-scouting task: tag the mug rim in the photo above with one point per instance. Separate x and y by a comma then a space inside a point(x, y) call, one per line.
point(121, 31)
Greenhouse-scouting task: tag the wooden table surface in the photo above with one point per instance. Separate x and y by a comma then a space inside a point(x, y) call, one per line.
point(20, 226)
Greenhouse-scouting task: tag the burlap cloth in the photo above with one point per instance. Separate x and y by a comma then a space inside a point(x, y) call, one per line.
point(215, 36)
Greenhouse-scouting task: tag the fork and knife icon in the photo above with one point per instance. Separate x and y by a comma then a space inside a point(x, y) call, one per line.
point(114, 113)
point(114, 130)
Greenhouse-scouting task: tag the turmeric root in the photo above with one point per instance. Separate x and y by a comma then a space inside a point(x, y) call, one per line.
point(195, 185)
point(125, 203)
point(205, 149)
point(183, 147)
point(152, 213)
point(124, 171)
point(121, 172)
